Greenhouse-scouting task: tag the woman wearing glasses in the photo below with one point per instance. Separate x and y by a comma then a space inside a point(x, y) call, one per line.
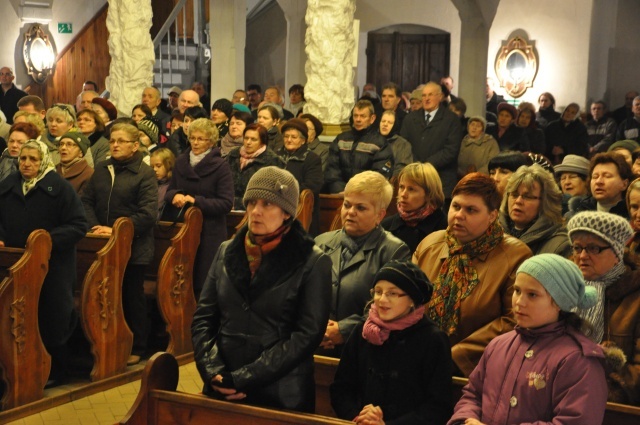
point(473, 266)
point(60, 119)
point(202, 178)
point(124, 186)
point(598, 241)
point(396, 366)
point(531, 211)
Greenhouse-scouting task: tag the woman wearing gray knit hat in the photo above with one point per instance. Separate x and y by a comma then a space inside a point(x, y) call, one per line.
point(599, 241)
point(528, 366)
point(73, 166)
point(397, 365)
point(265, 304)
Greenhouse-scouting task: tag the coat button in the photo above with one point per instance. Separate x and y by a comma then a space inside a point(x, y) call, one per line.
point(528, 354)
point(245, 306)
point(513, 401)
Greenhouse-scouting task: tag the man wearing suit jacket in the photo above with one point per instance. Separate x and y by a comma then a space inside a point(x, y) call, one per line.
point(435, 134)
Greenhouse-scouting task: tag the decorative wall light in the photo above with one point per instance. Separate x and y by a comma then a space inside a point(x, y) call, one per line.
point(516, 66)
point(39, 56)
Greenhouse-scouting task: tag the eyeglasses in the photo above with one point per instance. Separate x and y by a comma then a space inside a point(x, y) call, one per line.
point(391, 295)
point(199, 139)
point(290, 137)
point(525, 196)
point(591, 249)
point(5, 74)
point(120, 141)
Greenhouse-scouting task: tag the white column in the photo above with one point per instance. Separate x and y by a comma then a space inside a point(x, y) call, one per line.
point(294, 13)
point(228, 33)
point(476, 17)
point(131, 50)
point(330, 46)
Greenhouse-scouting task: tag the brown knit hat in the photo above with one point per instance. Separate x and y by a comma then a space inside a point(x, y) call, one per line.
point(296, 124)
point(275, 185)
point(504, 106)
point(107, 106)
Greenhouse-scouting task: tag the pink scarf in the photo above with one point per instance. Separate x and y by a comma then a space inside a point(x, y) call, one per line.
point(412, 218)
point(376, 331)
point(246, 159)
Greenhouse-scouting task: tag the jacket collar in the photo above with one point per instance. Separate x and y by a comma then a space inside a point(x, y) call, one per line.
point(209, 164)
point(132, 164)
point(628, 283)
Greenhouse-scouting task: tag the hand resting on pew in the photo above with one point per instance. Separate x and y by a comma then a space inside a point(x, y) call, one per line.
point(370, 415)
point(101, 230)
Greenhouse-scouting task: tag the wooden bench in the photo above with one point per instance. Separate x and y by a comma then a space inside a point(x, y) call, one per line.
point(159, 403)
point(330, 206)
point(170, 277)
point(101, 261)
point(325, 371)
point(24, 362)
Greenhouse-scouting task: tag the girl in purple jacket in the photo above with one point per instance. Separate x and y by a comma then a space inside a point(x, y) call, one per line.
point(546, 371)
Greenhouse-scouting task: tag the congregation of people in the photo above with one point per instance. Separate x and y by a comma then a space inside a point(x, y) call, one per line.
point(510, 255)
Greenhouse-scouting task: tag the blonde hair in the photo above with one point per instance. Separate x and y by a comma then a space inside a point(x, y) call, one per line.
point(206, 126)
point(167, 158)
point(425, 175)
point(372, 184)
point(131, 130)
point(31, 117)
point(63, 110)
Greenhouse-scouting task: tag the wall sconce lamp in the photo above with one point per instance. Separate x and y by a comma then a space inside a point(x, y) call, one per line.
point(39, 56)
point(516, 66)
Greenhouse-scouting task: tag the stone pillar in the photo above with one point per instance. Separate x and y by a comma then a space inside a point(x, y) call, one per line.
point(330, 48)
point(131, 50)
point(294, 13)
point(476, 17)
point(228, 34)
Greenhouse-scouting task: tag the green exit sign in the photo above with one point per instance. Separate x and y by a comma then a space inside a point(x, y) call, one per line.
point(65, 28)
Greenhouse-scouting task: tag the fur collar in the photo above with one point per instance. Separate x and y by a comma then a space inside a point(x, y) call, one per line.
point(278, 265)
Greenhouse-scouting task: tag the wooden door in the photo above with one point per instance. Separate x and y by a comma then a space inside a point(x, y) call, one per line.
point(407, 59)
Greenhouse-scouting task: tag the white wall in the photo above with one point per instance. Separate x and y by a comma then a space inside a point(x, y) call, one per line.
point(561, 32)
point(78, 12)
point(624, 56)
point(376, 14)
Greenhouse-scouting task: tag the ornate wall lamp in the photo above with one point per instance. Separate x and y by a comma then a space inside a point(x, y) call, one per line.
point(516, 66)
point(39, 56)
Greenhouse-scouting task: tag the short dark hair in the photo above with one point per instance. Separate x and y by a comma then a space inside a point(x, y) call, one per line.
point(550, 96)
point(624, 169)
point(144, 108)
point(510, 160)
point(37, 102)
point(481, 185)
point(297, 88)
point(255, 87)
point(196, 112)
point(262, 132)
point(95, 85)
point(242, 116)
point(392, 86)
point(459, 104)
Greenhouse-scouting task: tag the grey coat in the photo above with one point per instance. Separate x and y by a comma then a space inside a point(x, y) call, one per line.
point(543, 237)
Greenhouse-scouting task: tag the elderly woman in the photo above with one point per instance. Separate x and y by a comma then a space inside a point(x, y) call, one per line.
point(567, 135)
point(598, 240)
point(419, 203)
point(106, 110)
point(249, 158)
point(473, 266)
point(503, 165)
point(60, 118)
point(626, 148)
point(179, 140)
point(358, 251)
point(265, 304)
point(19, 133)
point(221, 112)
point(477, 148)
point(269, 117)
point(506, 133)
point(401, 147)
point(38, 198)
point(124, 186)
point(202, 178)
point(91, 125)
point(527, 122)
point(314, 130)
point(237, 123)
point(609, 176)
point(572, 177)
point(73, 167)
point(396, 367)
point(532, 211)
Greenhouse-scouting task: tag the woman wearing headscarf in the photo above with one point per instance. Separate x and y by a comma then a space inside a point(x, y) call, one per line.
point(315, 129)
point(599, 240)
point(389, 128)
point(38, 198)
point(567, 135)
point(472, 265)
point(265, 304)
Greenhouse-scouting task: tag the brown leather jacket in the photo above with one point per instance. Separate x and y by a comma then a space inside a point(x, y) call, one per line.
point(486, 312)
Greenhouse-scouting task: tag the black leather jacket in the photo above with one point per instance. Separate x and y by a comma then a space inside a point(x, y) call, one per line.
point(264, 330)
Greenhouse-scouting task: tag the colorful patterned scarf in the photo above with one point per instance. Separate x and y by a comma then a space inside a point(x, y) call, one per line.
point(412, 218)
point(376, 331)
point(256, 246)
point(458, 277)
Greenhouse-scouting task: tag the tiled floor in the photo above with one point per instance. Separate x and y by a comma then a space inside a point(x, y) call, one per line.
point(107, 407)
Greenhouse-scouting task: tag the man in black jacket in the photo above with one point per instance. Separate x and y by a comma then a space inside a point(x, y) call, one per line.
point(360, 149)
point(10, 94)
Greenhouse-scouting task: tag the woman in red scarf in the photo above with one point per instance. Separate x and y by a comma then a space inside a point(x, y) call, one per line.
point(265, 304)
point(420, 200)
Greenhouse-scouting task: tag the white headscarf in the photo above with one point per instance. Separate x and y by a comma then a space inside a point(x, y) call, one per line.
point(46, 165)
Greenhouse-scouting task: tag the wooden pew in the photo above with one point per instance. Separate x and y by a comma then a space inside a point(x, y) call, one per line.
point(159, 403)
point(24, 362)
point(329, 207)
point(101, 263)
point(170, 277)
point(325, 370)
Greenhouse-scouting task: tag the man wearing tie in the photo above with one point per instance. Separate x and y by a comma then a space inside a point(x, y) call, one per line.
point(435, 134)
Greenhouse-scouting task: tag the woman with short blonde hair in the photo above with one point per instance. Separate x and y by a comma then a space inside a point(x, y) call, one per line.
point(372, 184)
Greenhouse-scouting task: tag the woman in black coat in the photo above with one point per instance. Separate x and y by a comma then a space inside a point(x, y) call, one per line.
point(265, 304)
point(420, 200)
point(305, 165)
point(396, 367)
point(202, 178)
point(38, 198)
point(249, 158)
